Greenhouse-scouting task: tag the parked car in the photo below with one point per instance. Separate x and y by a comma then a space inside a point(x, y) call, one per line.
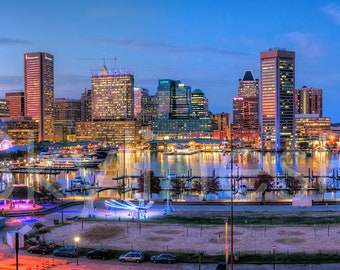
point(69, 251)
point(40, 249)
point(164, 258)
point(132, 256)
point(221, 266)
point(99, 253)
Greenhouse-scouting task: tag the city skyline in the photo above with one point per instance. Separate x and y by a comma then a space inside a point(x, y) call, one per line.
point(205, 47)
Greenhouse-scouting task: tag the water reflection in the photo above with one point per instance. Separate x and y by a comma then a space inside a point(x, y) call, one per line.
point(247, 163)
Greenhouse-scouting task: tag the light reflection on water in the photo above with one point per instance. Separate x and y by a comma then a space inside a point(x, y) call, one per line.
point(203, 164)
point(246, 163)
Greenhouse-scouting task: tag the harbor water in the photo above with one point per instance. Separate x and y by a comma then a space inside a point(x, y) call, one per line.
point(241, 164)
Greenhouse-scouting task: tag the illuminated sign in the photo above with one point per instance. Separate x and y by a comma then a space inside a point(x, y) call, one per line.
point(164, 82)
point(238, 98)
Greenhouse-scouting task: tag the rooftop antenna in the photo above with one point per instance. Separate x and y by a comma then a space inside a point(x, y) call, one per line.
point(104, 60)
point(115, 61)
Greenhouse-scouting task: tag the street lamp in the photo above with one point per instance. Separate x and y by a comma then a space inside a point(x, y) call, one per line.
point(200, 254)
point(76, 239)
point(231, 204)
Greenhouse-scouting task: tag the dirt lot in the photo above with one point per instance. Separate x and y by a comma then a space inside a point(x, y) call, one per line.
point(211, 238)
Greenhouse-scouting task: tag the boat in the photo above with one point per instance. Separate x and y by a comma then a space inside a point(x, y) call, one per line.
point(88, 161)
point(69, 161)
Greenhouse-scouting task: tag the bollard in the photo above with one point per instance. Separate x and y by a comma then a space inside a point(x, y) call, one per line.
point(52, 263)
point(37, 267)
point(42, 266)
point(47, 264)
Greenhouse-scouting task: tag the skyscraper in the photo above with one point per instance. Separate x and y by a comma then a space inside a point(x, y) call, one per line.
point(149, 109)
point(16, 103)
point(246, 109)
point(248, 86)
point(39, 92)
point(180, 101)
point(277, 99)
point(199, 104)
point(85, 106)
point(139, 93)
point(67, 113)
point(112, 95)
point(308, 101)
point(164, 89)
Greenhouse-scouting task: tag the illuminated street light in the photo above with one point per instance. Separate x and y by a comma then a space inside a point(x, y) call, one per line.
point(77, 239)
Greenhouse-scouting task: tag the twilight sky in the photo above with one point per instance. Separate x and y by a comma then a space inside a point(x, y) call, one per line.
point(205, 44)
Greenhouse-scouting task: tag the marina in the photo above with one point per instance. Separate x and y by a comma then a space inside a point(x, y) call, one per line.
point(117, 175)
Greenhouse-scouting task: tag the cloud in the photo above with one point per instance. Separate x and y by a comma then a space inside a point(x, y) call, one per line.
point(333, 11)
point(305, 44)
point(164, 47)
point(13, 41)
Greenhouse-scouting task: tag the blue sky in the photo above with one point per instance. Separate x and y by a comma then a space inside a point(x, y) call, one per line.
point(205, 44)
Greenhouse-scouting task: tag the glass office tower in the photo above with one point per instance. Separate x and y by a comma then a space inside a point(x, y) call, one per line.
point(277, 80)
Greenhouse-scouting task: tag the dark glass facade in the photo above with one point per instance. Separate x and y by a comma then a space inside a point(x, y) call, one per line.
point(277, 99)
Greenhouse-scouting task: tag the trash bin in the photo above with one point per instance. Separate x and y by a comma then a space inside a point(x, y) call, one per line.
point(236, 257)
point(55, 221)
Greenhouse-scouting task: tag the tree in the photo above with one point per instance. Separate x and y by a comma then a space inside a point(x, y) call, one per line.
point(263, 184)
point(197, 186)
point(150, 182)
point(41, 229)
point(213, 185)
point(293, 184)
point(177, 186)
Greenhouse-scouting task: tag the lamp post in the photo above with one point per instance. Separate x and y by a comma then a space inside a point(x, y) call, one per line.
point(231, 204)
point(62, 211)
point(200, 254)
point(77, 239)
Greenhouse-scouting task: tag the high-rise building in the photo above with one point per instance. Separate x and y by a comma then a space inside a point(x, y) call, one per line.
point(277, 82)
point(139, 93)
point(308, 101)
point(22, 130)
point(180, 101)
point(199, 104)
point(112, 95)
point(16, 102)
point(246, 109)
point(85, 106)
point(246, 118)
point(4, 108)
point(164, 89)
point(67, 113)
point(112, 132)
point(221, 126)
point(39, 92)
point(248, 86)
point(312, 130)
point(149, 109)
